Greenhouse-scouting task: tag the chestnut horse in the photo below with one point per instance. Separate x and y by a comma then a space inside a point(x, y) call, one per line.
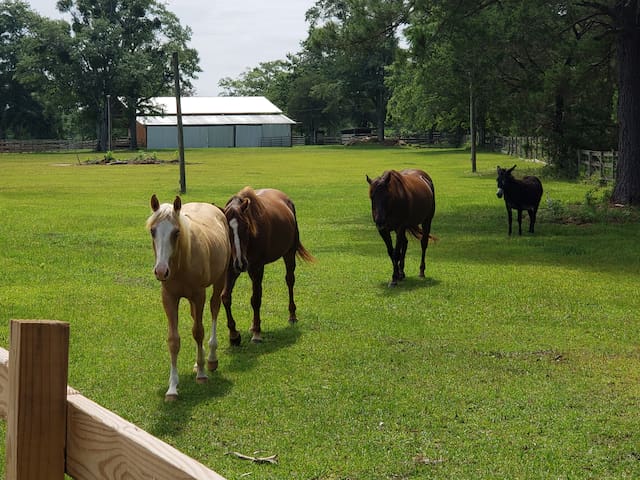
point(263, 228)
point(192, 252)
point(400, 202)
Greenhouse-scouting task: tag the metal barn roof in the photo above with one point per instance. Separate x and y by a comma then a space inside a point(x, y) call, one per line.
point(199, 111)
point(194, 120)
point(216, 105)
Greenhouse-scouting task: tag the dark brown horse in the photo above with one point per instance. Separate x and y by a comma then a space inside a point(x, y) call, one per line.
point(263, 228)
point(400, 202)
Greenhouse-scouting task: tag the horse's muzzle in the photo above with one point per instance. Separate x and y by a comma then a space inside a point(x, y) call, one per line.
point(161, 273)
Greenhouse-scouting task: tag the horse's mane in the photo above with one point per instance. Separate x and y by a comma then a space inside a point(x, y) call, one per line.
point(254, 210)
point(183, 244)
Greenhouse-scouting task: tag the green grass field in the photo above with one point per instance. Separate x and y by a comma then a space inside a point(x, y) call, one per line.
point(515, 358)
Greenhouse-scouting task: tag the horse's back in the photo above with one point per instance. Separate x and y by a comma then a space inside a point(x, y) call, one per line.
point(209, 238)
point(422, 199)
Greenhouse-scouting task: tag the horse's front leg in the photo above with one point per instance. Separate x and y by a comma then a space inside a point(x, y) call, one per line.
point(197, 330)
point(214, 305)
point(170, 304)
point(256, 301)
point(234, 335)
point(290, 277)
point(386, 236)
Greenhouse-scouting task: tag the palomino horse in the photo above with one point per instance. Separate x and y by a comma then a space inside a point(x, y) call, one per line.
point(263, 227)
point(192, 250)
point(402, 201)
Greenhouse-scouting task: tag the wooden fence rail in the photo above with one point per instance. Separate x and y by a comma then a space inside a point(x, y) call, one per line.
point(600, 163)
point(84, 440)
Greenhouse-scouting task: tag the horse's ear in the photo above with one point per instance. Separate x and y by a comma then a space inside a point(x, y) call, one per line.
point(511, 169)
point(177, 204)
point(368, 179)
point(155, 204)
point(245, 204)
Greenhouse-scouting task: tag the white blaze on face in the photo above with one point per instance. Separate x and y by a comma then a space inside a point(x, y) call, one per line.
point(163, 248)
point(233, 223)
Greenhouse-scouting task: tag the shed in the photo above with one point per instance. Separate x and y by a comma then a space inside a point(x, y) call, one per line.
point(215, 122)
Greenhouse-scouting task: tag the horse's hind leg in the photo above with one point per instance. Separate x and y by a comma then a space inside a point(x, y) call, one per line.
point(401, 252)
point(290, 277)
point(424, 243)
point(234, 335)
point(214, 305)
point(256, 301)
point(197, 307)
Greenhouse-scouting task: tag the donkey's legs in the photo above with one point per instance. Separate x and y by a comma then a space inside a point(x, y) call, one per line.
point(256, 301)
point(533, 212)
point(519, 222)
point(170, 305)
point(290, 277)
point(234, 335)
point(509, 218)
point(197, 330)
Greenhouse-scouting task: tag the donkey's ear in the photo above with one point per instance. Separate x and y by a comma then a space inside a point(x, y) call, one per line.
point(498, 169)
point(177, 204)
point(155, 204)
point(368, 179)
point(511, 169)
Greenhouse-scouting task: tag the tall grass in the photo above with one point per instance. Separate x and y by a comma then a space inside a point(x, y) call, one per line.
point(515, 358)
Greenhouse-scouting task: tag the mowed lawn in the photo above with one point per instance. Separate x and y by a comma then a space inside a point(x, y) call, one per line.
point(515, 358)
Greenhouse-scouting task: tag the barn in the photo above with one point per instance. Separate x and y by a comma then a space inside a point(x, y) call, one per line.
point(215, 122)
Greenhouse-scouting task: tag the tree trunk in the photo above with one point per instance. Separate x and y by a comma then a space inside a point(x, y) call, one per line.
point(472, 129)
point(131, 114)
point(627, 189)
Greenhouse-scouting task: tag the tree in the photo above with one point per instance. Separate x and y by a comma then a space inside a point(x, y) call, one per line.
point(355, 41)
point(268, 79)
point(116, 48)
point(528, 71)
point(22, 114)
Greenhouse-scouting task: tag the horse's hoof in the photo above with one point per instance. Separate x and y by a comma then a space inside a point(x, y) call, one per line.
point(421, 275)
point(201, 380)
point(293, 321)
point(171, 397)
point(393, 283)
point(212, 366)
point(256, 339)
point(235, 342)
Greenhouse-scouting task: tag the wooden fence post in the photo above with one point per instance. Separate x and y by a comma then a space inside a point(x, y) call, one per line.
point(37, 400)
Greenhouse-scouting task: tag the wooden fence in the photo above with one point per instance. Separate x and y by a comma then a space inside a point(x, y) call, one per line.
point(598, 163)
point(53, 430)
point(31, 146)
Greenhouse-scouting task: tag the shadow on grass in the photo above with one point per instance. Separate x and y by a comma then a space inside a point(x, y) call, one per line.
point(409, 284)
point(173, 416)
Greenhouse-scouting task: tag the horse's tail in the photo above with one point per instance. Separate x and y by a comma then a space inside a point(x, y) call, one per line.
point(417, 232)
point(304, 254)
point(301, 252)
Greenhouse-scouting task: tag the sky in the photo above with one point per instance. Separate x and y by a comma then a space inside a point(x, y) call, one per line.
point(231, 36)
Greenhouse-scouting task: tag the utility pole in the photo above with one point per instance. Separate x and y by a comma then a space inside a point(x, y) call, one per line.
point(176, 74)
